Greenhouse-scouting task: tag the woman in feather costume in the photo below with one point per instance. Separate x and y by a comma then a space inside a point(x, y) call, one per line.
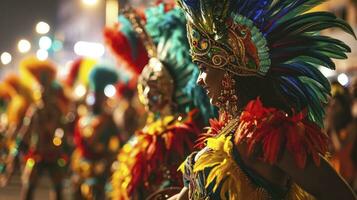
point(96, 137)
point(149, 161)
point(43, 131)
point(17, 99)
point(259, 64)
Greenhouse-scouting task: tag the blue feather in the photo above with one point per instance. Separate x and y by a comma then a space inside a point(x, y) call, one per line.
point(192, 4)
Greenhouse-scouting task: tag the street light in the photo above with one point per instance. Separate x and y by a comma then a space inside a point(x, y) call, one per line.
point(6, 58)
point(90, 2)
point(42, 28)
point(24, 46)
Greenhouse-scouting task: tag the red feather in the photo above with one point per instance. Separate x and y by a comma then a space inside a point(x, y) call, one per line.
point(120, 46)
point(168, 149)
point(73, 72)
point(215, 126)
point(274, 130)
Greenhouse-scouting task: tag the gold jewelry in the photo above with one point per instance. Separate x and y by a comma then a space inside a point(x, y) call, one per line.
point(228, 99)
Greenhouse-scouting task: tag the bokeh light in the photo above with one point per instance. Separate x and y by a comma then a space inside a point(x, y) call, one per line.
point(80, 91)
point(109, 91)
point(90, 2)
point(42, 28)
point(343, 79)
point(45, 43)
point(6, 58)
point(42, 54)
point(24, 46)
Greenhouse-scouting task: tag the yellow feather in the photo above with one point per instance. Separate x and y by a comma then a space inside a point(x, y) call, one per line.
point(182, 167)
point(235, 185)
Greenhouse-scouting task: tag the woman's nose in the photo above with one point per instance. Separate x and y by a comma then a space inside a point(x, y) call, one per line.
point(200, 80)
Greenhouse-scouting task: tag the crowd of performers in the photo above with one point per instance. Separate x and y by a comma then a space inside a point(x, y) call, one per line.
point(211, 99)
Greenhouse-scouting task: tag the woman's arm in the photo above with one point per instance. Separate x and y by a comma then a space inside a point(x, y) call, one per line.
point(321, 181)
point(183, 195)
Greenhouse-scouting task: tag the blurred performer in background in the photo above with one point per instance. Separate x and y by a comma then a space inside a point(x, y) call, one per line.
point(259, 64)
point(5, 98)
point(353, 127)
point(20, 99)
point(96, 138)
point(148, 162)
point(338, 121)
point(76, 87)
point(43, 129)
point(129, 115)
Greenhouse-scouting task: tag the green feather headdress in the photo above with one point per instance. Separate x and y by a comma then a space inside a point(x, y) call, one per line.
point(164, 37)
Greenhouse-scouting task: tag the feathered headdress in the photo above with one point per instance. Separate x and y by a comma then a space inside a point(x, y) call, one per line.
point(101, 76)
point(161, 35)
point(21, 98)
point(126, 45)
point(15, 86)
point(78, 72)
point(168, 31)
point(44, 72)
point(269, 38)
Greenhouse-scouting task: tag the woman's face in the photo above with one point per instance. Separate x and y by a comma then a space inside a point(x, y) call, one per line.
point(211, 80)
point(155, 99)
point(155, 86)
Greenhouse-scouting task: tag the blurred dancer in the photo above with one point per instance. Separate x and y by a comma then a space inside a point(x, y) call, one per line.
point(43, 129)
point(128, 112)
point(338, 119)
point(352, 128)
point(259, 64)
point(20, 99)
point(5, 98)
point(96, 138)
point(148, 162)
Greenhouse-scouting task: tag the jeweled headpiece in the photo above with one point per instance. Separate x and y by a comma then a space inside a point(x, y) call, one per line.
point(276, 39)
point(242, 50)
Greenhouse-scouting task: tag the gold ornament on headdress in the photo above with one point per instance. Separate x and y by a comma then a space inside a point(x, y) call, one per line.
point(138, 25)
point(242, 50)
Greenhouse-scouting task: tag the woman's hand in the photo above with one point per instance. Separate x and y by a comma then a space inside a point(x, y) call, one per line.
point(321, 181)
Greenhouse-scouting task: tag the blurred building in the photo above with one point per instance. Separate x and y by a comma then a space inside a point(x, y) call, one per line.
point(78, 22)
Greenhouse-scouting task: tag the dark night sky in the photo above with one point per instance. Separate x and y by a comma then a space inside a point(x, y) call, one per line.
point(18, 19)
